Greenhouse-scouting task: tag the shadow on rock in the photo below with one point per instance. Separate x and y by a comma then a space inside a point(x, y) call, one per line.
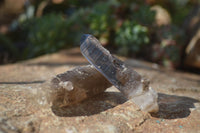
point(56, 64)
point(95, 105)
point(24, 82)
point(172, 106)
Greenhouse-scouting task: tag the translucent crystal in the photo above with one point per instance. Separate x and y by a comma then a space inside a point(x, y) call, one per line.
point(76, 85)
point(128, 81)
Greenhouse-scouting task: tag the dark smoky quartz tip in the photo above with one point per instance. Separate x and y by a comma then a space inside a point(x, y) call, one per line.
point(84, 37)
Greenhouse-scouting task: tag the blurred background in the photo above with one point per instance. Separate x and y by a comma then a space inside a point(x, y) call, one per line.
point(166, 32)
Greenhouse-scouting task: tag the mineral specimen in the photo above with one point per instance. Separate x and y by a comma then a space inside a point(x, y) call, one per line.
point(124, 78)
point(76, 85)
point(106, 70)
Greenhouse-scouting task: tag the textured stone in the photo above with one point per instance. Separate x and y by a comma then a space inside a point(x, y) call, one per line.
point(179, 100)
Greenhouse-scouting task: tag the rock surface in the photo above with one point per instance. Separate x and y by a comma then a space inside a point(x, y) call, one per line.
point(20, 111)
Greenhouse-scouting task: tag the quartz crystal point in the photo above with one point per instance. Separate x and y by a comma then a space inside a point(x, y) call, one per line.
point(124, 78)
point(76, 85)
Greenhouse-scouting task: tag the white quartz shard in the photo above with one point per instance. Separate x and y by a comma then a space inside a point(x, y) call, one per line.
point(124, 78)
point(66, 85)
point(147, 100)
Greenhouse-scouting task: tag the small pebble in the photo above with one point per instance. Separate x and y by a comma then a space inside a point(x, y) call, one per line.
point(162, 119)
point(157, 121)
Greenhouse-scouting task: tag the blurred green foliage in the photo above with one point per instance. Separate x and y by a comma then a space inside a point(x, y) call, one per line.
point(101, 19)
point(127, 26)
point(7, 45)
point(54, 31)
point(131, 37)
point(45, 35)
point(143, 15)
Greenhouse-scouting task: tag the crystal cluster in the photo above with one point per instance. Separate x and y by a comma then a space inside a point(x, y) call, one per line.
point(106, 70)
